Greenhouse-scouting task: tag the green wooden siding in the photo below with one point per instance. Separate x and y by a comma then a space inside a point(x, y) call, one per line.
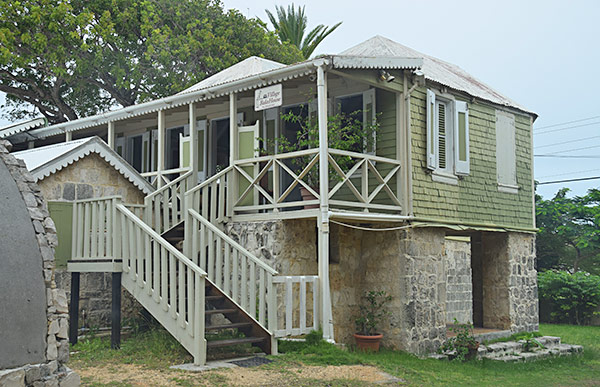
point(62, 215)
point(476, 198)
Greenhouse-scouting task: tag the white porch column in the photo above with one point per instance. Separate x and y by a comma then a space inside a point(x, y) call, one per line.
point(160, 165)
point(193, 144)
point(232, 189)
point(327, 323)
point(111, 135)
point(68, 136)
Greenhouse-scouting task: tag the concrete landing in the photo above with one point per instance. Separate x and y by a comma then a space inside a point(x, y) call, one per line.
point(213, 365)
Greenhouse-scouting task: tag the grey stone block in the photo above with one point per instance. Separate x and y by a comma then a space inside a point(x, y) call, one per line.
point(12, 377)
point(72, 379)
point(68, 191)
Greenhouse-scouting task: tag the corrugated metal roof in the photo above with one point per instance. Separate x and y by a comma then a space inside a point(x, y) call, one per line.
point(244, 69)
point(19, 127)
point(434, 69)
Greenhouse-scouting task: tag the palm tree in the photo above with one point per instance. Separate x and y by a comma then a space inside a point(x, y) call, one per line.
point(290, 26)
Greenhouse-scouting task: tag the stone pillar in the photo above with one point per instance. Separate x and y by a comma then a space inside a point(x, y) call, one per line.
point(495, 275)
point(459, 288)
point(523, 290)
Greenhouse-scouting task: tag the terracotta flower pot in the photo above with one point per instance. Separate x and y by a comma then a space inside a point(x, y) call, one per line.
point(306, 196)
point(368, 343)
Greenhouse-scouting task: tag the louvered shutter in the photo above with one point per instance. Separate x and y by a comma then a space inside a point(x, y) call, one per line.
point(442, 134)
point(461, 148)
point(432, 133)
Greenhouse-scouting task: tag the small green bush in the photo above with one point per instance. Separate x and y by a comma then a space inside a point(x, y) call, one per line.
point(568, 298)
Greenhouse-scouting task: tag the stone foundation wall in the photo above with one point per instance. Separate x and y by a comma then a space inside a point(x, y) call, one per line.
point(459, 288)
point(523, 289)
point(52, 371)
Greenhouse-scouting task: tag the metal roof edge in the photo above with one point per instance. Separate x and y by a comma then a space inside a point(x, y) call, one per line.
point(268, 77)
point(22, 126)
point(378, 62)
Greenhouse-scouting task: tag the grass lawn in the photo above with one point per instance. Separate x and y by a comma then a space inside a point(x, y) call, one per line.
point(154, 351)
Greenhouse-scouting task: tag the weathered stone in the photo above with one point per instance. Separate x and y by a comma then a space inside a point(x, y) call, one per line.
point(60, 300)
point(53, 328)
point(84, 191)
point(12, 377)
point(70, 380)
point(32, 374)
point(63, 351)
point(52, 348)
point(63, 332)
point(68, 191)
point(51, 381)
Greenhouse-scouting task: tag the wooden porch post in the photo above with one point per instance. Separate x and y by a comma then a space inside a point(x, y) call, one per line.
point(193, 145)
point(111, 135)
point(233, 152)
point(160, 165)
point(323, 219)
point(68, 136)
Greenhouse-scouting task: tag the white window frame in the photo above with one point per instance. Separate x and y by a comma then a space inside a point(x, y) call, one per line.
point(367, 96)
point(506, 152)
point(454, 167)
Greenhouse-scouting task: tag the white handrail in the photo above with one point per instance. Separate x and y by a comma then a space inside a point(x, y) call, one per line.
point(170, 184)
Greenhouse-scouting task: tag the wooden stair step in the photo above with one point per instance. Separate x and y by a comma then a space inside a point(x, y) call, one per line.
point(223, 311)
point(228, 342)
point(228, 326)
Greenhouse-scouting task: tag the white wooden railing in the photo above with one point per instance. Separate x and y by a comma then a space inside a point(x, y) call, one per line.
point(163, 280)
point(154, 176)
point(209, 198)
point(93, 226)
point(364, 182)
point(165, 206)
point(299, 316)
point(240, 275)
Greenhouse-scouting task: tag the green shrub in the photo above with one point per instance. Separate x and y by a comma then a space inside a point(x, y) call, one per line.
point(568, 298)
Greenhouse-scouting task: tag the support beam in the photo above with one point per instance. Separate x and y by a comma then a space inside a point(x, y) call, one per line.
point(160, 165)
point(115, 315)
point(74, 308)
point(193, 144)
point(111, 135)
point(68, 136)
point(232, 191)
point(323, 220)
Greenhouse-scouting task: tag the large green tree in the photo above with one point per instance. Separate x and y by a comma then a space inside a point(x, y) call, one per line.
point(70, 58)
point(291, 26)
point(569, 235)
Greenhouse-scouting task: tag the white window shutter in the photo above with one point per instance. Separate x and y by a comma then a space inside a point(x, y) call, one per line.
point(369, 118)
point(461, 148)
point(432, 132)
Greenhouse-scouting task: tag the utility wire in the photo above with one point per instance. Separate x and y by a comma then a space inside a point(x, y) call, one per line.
point(569, 156)
point(568, 127)
point(569, 173)
point(568, 180)
point(566, 142)
point(565, 123)
point(574, 149)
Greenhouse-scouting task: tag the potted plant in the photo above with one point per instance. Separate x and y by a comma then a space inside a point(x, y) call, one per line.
point(371, 314)
point(463, 345)
point(344, 132)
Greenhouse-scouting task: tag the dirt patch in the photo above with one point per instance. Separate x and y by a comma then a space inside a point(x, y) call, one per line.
point(136, 375)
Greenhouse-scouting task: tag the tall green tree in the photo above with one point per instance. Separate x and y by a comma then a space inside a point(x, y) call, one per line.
point(569, 231)
point(291, 26)
point(71, 58)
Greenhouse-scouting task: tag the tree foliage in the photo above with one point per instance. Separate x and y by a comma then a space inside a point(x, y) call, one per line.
point(70, 58)
point(569, 233)
point(291, 26)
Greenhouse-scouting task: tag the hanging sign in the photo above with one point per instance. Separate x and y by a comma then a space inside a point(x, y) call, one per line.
point(268, 97)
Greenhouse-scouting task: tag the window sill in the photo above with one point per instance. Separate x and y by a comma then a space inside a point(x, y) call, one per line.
point(508, 188)
point(444, 177)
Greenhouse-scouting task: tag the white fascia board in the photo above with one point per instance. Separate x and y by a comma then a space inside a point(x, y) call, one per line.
point(362, 62)
point(259, 80)
point(19, 127)
point(94, 145)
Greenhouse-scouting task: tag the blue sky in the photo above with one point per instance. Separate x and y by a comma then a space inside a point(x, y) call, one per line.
point(542, 54)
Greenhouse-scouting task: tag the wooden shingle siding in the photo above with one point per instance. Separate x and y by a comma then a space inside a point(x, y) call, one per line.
point(476, 198)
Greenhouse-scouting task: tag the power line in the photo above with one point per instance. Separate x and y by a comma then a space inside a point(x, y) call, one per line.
point(569, 156)
point(570, 173)
point(568, 127)
point(565, 123)
point(575, 149)
point(566, 142)
point(568, 180)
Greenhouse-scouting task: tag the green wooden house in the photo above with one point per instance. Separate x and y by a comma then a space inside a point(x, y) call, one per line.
point(438, 211)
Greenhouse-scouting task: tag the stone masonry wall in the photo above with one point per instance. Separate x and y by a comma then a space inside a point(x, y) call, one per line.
point(89, 177)
point(53, 372)
point(459, 288)
point(92, 177)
